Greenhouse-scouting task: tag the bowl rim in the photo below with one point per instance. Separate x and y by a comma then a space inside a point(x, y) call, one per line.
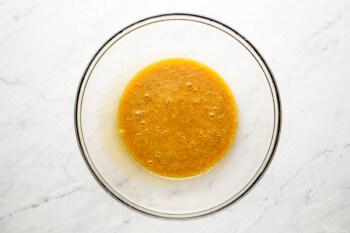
point(209, 22)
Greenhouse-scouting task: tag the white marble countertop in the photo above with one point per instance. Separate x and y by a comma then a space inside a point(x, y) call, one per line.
point(45, 185)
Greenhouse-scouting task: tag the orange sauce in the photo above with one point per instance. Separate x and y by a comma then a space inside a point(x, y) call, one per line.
point(177, 118)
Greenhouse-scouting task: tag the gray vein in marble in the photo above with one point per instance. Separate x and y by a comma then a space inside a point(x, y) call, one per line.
point(25, 13)
point(124, 223)
point(19, 16)
point(328, 25)
point(18, 82)
point(10, 82)
point(256, 222)
point(39, 203)
point(307, 198)
point(324, 152)
point(64, 168)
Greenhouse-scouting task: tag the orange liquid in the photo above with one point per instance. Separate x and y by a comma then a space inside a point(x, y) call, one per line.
point(177, 118)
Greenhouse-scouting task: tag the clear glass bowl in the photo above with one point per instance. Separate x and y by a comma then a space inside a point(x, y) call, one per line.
point(204, 40)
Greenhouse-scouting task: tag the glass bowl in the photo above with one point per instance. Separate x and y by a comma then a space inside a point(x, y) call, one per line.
point(187, 36)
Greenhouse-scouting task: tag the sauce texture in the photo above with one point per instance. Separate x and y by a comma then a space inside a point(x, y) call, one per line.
point(177, 118)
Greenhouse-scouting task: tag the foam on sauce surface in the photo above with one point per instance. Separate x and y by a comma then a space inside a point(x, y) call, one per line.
point(177, 118)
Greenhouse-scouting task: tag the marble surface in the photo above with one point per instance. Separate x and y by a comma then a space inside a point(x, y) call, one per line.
point(45, 185)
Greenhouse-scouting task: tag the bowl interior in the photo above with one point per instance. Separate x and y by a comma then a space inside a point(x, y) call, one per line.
point(206, 41)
